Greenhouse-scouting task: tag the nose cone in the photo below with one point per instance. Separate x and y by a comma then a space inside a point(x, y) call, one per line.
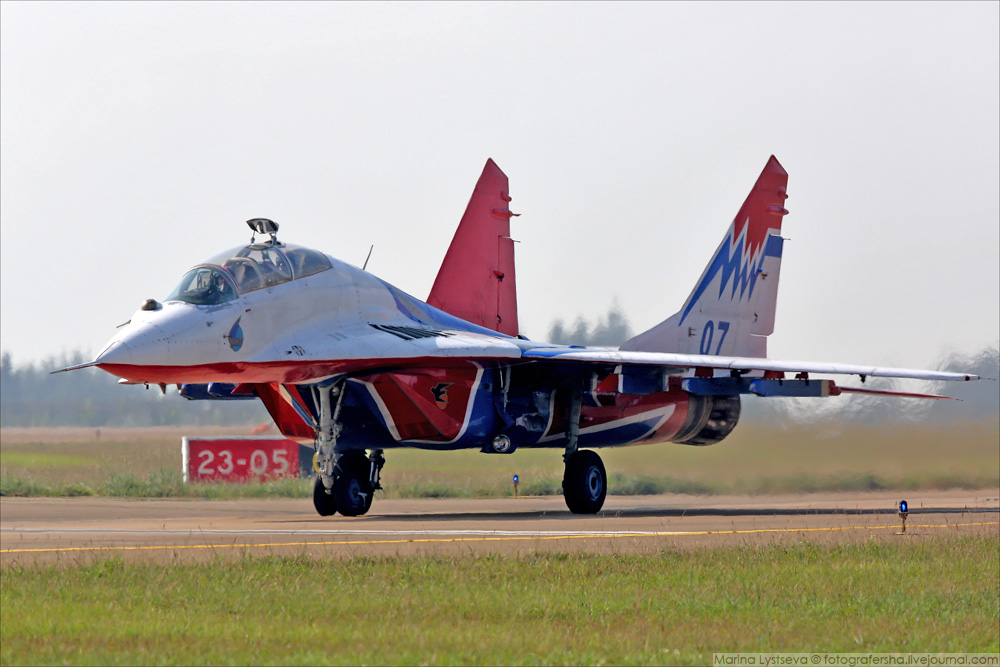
point(115, 353)
point(150, 341)
point(167, 345)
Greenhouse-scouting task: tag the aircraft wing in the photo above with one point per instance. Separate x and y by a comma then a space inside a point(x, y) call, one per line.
point(680, 363)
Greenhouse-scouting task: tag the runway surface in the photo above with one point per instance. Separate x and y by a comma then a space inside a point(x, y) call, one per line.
point(80, 529)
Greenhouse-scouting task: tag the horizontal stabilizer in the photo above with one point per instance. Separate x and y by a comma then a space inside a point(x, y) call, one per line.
point(897, 394)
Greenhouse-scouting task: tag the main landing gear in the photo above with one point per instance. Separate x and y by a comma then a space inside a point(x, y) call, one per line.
point(345, 481)
point(585, 482)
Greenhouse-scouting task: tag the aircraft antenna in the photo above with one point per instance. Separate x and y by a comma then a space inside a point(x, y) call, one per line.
point(368, 257)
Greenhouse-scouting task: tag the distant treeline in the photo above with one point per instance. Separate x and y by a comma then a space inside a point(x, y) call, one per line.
point(611, 330)
point(30, 396)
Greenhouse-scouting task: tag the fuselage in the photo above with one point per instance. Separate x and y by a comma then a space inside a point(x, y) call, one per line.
point(254, 319)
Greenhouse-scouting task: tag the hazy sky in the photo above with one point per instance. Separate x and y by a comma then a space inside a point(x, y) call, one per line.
point(137, 138)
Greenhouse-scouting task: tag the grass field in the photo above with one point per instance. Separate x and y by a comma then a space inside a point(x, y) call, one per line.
point(666, 608)
point(755, 459)
point(670, 607)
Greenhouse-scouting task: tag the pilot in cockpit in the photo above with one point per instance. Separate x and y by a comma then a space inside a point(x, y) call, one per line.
point(220, 289)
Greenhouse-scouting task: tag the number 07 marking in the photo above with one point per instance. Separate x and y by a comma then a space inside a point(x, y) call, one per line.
point(724, 328)
point(709, 333)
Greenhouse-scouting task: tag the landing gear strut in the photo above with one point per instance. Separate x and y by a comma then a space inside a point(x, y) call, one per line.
point(345, 481)
point(585, 482)
point(326, 432)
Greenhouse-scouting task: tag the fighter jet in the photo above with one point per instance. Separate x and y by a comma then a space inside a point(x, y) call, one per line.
point(354, 366)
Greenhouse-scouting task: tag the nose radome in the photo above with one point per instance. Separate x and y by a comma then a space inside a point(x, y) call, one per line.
point(143, 343)
point(115, 353)
point(175, 335)
point(138, 343)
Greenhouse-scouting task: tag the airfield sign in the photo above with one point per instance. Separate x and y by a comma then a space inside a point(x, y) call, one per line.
point(239, 459)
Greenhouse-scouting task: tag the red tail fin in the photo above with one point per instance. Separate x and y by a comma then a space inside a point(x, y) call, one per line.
point(476, 280)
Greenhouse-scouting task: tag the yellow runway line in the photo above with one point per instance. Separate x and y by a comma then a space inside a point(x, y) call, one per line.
point(441, 540)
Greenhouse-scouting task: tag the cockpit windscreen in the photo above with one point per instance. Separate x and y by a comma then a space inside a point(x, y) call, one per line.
point(204, 286)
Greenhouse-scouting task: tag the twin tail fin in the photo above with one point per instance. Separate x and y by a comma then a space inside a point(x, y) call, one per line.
point(476, 281)
point(730, 311)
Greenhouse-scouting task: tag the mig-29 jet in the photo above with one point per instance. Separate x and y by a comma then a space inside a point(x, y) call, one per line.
point(354, 366)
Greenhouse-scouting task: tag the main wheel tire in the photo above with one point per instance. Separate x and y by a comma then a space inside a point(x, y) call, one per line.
point(325, 503)
point(585, 482)
point(352, 487)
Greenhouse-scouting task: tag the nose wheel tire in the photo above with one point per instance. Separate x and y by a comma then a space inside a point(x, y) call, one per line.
point(585, 482)
point(352, 488)
point(324, 502)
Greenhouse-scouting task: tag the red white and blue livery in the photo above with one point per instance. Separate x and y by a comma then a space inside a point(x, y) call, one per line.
point(354, 366)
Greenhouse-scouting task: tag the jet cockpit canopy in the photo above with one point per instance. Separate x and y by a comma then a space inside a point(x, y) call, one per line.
point(245, 269)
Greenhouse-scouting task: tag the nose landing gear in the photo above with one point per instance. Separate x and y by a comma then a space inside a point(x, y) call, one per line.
point(352, 487)
point(355, 480)
point(345, 481)
point(323, 500)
